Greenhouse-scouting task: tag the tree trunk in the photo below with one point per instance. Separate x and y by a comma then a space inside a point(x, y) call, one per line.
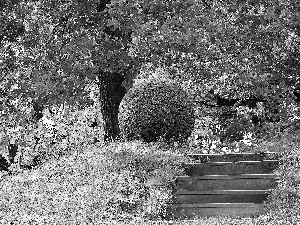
point(12, 152)
point(111, 93)
point(38, 108)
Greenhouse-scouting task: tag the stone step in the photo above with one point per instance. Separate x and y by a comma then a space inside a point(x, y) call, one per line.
point(233, 184)
point(226, 182)
point(234, 157)
point(221, 196)
point(189, 211)
point(231, 168)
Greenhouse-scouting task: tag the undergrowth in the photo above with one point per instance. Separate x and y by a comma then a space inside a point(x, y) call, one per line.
point(104, 182)
point(129, 183)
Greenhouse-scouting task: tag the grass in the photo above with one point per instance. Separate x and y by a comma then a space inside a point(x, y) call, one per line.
point(129, 183)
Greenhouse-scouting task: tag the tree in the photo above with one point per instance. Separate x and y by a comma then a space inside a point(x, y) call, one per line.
point(52, 50)
point(61, 48)
point(231, 49)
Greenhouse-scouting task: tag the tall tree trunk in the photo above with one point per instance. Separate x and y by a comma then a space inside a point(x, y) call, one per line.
point(111, 93)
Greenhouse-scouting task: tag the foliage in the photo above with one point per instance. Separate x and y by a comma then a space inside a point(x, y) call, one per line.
point(227, 46)
point(56, 134)
point(235, 49)
point(67, 128)
point(43, 54)
point(284, 201)
point(94, 184)
point(156, 108)
point(52, 50)
point(126, 183)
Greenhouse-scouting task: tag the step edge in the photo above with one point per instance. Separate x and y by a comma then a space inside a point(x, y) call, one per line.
point(229, 177)
point(222, 192)
point(217, 205)
point(236, 162)
point(235, 154)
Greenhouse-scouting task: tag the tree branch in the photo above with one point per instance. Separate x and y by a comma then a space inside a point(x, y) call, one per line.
point(206, 4)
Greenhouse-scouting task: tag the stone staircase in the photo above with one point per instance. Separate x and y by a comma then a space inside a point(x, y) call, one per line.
point(224, 185)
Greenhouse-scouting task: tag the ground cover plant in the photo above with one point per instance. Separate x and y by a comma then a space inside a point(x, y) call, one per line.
point(285, 198)
point(100, 183)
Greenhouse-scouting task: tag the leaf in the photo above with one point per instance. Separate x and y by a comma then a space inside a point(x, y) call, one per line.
point(113, 22)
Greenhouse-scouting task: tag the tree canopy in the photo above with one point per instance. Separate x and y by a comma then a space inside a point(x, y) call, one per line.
point(52, 51)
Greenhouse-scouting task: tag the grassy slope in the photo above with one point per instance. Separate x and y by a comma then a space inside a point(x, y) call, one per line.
point(82, 189)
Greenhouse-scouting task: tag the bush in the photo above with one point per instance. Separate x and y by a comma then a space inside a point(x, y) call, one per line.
point(58, 133)
point(285, 198)
point(156, 109)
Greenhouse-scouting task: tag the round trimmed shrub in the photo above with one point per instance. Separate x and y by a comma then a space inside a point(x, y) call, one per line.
point(157, 110)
